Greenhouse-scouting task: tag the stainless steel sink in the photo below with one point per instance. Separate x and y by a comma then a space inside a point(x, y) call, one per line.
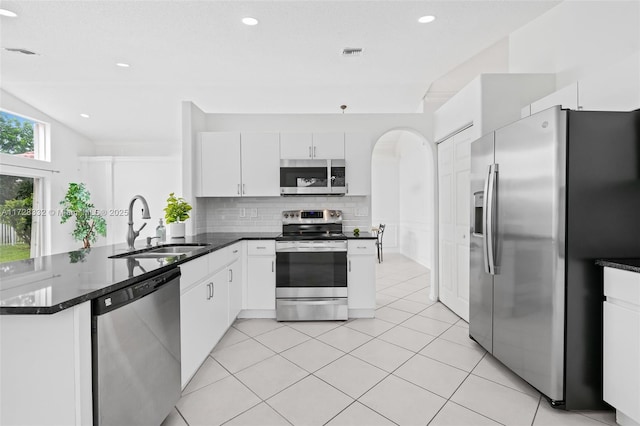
point(169, 250)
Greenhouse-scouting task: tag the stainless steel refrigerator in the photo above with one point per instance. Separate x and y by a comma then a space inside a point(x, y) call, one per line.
point(550, 194)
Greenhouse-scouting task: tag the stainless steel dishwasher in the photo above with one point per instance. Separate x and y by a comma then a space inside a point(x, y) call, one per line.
point(136, 352)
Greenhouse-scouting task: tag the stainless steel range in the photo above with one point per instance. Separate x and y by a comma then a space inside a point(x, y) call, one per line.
point(311, 267)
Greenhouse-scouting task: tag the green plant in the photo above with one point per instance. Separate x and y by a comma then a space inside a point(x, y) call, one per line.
point(177, 209)
point(77, 204)
point(356, 232)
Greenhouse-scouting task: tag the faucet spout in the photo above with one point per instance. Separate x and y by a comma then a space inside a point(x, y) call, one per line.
point(131, 234)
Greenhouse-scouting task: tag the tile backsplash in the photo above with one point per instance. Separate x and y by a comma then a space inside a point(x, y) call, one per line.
point(263, 214)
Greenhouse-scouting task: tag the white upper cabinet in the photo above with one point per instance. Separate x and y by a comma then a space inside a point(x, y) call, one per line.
point(220, 171)
point(328, 146)
point(260, 164)
point(296, 146)
point(233, 164)
point(307, 146)
point(357, 148)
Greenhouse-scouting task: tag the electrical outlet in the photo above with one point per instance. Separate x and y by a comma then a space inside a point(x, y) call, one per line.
point(243, 212)
point(362, 212)
point(254, 212)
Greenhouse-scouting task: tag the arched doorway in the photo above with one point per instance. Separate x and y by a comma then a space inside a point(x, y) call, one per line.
point(403, 196)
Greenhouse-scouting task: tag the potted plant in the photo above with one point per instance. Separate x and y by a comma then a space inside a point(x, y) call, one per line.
point(176, 212)
point(89, 224)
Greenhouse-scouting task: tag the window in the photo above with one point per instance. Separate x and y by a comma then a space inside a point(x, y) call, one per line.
point(21, 187)
point(23, 137)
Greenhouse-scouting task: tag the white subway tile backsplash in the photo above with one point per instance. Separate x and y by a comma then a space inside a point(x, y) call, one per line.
point(264, 214)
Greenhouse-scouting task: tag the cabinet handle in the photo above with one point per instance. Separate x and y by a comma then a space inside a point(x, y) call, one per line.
point(261, 248)
point(243, 189)
point(347, 187)
point(273, 266)
point(235, 251)
point(238, 189)
point(314, 151)
point(309, 152)
point(210, 292)
point(361, 247)
point(230, 275)
point(349, 265)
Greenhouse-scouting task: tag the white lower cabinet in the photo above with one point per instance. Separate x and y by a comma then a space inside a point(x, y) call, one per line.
point(235, 290)
point(621, 347)
point(361, 278)
point(261, 278)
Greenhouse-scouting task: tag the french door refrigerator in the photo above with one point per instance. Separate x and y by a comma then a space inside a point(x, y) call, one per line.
point(550, 194)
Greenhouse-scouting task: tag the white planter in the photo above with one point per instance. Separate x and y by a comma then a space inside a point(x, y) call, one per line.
point(176, 230)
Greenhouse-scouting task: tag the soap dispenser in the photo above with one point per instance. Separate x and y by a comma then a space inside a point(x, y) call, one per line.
point(161, 232)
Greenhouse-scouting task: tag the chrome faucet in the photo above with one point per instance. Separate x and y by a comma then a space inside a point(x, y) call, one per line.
point(131, 234)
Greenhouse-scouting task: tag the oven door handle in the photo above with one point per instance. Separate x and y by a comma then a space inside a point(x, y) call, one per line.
point(312, 250)
point(311, 301)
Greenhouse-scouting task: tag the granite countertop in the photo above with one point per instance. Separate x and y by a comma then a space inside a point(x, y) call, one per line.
point(631, 264)
point(50, 284)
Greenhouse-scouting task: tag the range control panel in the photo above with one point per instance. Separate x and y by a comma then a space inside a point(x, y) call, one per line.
point(311, 216)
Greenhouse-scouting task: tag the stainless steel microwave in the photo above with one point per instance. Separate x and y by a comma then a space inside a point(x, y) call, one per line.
point(312, 177)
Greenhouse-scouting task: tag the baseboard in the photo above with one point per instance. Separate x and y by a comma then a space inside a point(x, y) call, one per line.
point(362, 313)
point(257, 313)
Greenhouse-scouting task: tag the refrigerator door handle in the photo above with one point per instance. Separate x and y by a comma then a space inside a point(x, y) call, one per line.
point(485, 199)
point(489, 223)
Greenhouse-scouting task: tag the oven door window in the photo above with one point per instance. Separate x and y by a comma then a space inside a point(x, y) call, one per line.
point(311, 269)
point(296, 177)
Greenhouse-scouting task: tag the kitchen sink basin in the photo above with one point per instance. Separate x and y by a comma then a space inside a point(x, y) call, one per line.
point(170, 250)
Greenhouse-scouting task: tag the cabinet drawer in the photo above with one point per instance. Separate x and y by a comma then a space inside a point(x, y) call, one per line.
point(622, 285)
point(261, 248)
point(358, 247)
point(219, 259)
point(193, 271)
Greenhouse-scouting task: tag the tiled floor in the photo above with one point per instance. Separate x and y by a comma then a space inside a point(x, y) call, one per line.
point(414, 364)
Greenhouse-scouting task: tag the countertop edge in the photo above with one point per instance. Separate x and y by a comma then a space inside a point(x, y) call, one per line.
point(632, 265)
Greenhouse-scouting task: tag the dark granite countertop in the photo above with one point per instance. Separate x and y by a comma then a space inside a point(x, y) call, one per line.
point(632, 265)
point(361, 236)
point(50, 284)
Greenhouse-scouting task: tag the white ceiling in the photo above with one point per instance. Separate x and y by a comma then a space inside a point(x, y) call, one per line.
point(200, 51)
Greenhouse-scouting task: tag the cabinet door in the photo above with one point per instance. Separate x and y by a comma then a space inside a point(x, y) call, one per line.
point(235, 290)
point(219, 307)
point(357, 154)
point(261, 279)
point(196, 317)
point(295, 146)
point(328, 146)
point(220, 164)
point(361, 276)
point(260, 164)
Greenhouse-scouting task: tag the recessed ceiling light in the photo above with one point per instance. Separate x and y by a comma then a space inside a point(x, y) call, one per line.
point(426, 19)
point(122, 65)
point(249, 21)
point(83, 115)
point(8, 13)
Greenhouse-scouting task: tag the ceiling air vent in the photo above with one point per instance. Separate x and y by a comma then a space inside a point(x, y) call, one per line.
point(352, 51)
point(18, 50)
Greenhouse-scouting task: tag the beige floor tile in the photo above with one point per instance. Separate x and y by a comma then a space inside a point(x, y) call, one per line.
point(314, 328)
point(270, 376)
point(312, 355)
point(499, 403)
point(408, 306)
point(351, 375)
point(426, 325)
point(396, 292)
point(383, 300)
point(459, 335)
point(254, 327)
point(403, 402)
point(174, 419)
point(432, 375)
point(492, 369)
point(309, 402)
point(407, 338)
point(371, 326)
point(231, 337)
point(392, 315)
point(242, 355)
point(441, 313)
point(453, 414)
point(216, 403)
point(358, 415)
point(421, 297)
point(605, 416)
point(456, 355)
point(547, 416)
point(462, 323)
point(260, 415)
point(209, 372)
point(344, 338)
point(282, 338)
point(383, 355)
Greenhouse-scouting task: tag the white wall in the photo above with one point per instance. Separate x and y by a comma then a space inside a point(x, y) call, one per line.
point(576, 39)
point(66, 147)
point(385, 196)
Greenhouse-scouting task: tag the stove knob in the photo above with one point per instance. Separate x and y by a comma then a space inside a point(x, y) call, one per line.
point(332, 214)
point(297, 215)
point(338, 213)
point(286, 215)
